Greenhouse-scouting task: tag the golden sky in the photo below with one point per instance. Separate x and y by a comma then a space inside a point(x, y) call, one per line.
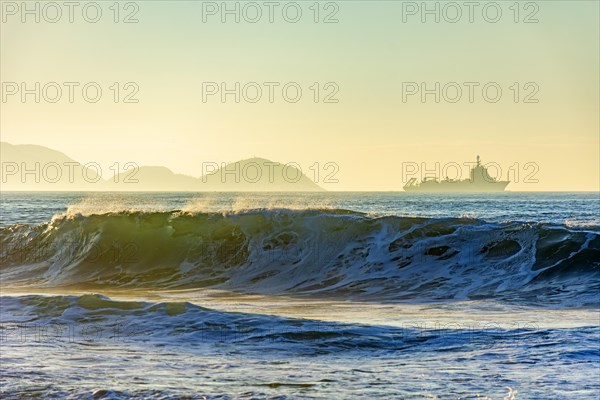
point(369, 57)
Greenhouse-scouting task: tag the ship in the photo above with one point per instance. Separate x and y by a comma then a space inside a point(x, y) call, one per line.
point(479, 181)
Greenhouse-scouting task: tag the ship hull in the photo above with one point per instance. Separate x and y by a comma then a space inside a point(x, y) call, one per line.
point(460, 186)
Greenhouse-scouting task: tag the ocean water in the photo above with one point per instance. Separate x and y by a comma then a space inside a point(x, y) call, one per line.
point(315, 295)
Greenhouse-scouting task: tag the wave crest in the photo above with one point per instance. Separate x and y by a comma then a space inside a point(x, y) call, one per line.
point(319, 252)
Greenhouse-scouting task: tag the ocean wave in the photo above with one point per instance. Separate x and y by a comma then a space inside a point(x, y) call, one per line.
point(91, 336)
point(325, 252)
point(95, 318)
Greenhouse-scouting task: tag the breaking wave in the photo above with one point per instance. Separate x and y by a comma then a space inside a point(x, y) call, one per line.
point(308, 252)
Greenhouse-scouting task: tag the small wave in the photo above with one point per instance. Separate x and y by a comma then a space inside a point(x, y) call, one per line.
point(95, 339)
point(97, 318)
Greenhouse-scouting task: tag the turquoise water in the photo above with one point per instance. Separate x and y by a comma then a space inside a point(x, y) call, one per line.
point(327, 295)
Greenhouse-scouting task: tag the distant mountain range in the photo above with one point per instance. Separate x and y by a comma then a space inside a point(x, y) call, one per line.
point(31, 167)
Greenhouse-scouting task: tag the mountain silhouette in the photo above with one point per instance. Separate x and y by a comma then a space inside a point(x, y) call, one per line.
point(33, 167)
point(259, 174)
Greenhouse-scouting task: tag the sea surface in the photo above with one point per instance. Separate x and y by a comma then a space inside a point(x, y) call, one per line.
point(300, 295)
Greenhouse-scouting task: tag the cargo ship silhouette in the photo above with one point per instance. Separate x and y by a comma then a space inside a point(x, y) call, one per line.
point(479, 181)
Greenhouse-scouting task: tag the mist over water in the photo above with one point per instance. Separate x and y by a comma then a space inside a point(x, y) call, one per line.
point(570, 208)
point(316, 295)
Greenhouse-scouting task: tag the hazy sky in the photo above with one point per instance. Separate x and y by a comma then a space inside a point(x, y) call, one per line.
point(374, 49)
